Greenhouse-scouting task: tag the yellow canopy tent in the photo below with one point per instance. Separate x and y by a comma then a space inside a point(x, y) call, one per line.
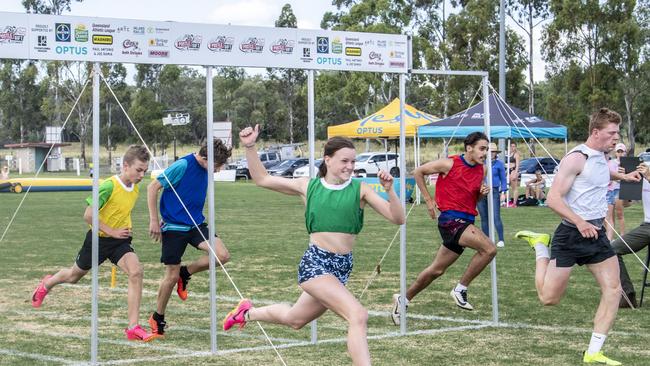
point(383, 124)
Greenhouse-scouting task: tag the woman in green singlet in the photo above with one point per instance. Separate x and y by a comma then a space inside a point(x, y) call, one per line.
point(333, 217)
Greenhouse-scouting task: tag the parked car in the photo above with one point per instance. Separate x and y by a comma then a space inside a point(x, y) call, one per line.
point(269, 159)
point(548, 165)
point(287, 167)
point(304, 171)
point(368, 164)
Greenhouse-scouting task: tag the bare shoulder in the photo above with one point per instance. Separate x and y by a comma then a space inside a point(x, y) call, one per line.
point(572, 163)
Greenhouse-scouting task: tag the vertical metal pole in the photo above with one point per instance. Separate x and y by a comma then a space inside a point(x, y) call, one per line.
point(418, 197)
point(312, 171)
point(94, 341)
point(493, 266)
point(213, 274)
point(502, 49)
point(402, 196)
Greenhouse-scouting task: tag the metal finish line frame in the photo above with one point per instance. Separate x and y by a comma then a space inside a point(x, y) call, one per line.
point(311, 141)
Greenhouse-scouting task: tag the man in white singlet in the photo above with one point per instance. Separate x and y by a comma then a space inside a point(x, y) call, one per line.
point(578, 197)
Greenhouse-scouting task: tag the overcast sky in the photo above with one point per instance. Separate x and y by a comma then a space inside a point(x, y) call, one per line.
point(237, 12)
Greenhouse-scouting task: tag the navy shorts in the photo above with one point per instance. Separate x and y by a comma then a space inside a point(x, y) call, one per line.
point(317, 262)
point(451, 231)
point(174, 243)
point(109, 248)
point(569, 247)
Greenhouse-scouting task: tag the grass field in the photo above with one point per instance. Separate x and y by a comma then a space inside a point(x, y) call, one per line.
point(265, 234)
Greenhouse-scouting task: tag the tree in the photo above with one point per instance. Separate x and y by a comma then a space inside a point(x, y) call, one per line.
point(527, 15)
point(56, 7)
point(289, 80)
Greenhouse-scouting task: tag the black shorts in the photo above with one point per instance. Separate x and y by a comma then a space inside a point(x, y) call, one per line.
point(175, 242)
point(569, 247)
point(109, 248)
point(450, 231)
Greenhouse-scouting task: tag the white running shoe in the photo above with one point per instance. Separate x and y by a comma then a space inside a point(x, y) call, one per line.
point(397, 303)
point(460, 298)
point(501, 244)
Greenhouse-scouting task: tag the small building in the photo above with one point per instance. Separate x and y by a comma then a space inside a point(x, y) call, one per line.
point(30, 156)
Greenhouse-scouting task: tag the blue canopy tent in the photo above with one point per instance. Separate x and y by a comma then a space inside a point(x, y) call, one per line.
point(506, 121)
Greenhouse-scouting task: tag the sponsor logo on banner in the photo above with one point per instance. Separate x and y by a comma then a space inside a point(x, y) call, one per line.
point(105, 39)
point(156, 30)
point(41, 44)
point(252, 45)
point(138, 30)
point(369, 42)
point(306, 55)
point(282, 46)
point(381, 44)
point(396, 64)
point(158, 53)
point(337, 46)
point(123, 29)
point(322, 45)
point(396, 54)
point(353, 51)
point(80, 33)
point(102, 28)
point(13, 34)
point(375, 59)
point(71, 50)
point(334, 61)
point(62, 32)
point(221, 44)
point(131, 47)
point(188, 42)
point(353, 41)
point(158, 42)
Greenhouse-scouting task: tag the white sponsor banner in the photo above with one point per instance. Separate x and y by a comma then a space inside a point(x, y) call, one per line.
point(50, 37)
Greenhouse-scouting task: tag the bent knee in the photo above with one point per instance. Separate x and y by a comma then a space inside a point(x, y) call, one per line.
point(136, 273)
point(549, 300)
point(359, 316)
point(224, 257)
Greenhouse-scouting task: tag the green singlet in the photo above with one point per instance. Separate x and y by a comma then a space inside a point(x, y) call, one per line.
point(335, 209)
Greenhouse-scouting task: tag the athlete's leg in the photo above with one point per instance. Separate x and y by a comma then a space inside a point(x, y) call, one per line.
point(66, 275)
point(474, 238)
point(203, 263)
point(130, 264)
point(335, 296)
point(444, 258)
point(306, 309)
point(607, 275)
point(167, 286)
point(551, 281)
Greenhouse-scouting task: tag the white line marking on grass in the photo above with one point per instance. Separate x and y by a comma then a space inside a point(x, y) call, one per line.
point(137, 344)
point(284, 346)
point(59, 316)
point(37, 356)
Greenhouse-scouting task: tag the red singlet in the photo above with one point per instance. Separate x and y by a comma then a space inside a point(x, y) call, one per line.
point(459, 189)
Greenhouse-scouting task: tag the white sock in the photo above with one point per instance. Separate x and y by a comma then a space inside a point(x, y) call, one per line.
point(541, 251)
point(460, 288)
point(596, 343)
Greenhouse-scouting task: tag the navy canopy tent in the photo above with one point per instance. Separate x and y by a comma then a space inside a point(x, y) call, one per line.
point(506, 121)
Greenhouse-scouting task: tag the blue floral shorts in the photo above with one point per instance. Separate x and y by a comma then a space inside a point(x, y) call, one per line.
point(317, 262)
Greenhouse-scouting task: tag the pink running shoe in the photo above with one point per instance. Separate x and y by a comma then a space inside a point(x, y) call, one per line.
point(39, 294)
point(237, 315)
point(138, 334)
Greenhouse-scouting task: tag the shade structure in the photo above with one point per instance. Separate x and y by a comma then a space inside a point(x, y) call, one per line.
point(384, 123)
point(506, 121)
